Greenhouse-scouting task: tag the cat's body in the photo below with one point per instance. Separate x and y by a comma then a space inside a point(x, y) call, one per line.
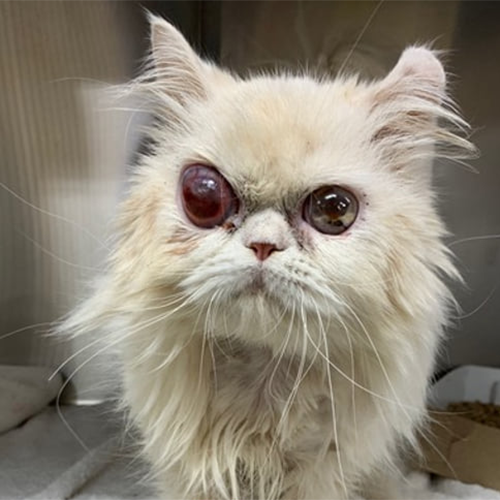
point(263, 358)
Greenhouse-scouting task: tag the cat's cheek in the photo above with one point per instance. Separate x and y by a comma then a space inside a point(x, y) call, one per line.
point(182, 242)
point(306, 236)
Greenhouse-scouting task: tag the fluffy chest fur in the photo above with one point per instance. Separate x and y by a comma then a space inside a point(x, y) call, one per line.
point(254, 396)
point(239, 420)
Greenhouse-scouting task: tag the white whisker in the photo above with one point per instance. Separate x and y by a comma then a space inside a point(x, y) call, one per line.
point(474, 238)
point(54, 216)
point(360, 35)
point(55, 256)
point(27, 328)
point(334, 417)
point(480, 306)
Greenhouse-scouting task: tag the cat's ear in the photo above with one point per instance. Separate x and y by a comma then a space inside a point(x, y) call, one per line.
point(178, 71)
point(412, 114)
point(418, 73)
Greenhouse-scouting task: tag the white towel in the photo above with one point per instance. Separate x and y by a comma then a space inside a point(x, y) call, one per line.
point(43, 460)
point(24, 391)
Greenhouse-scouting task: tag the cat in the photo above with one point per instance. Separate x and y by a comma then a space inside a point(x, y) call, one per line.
point(277, 291)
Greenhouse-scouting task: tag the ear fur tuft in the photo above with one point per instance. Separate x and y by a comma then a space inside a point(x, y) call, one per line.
point(176, 66)
point(414, 119)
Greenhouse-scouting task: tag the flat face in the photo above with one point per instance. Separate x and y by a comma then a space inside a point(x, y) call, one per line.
point(292, 196)
point(293, 172)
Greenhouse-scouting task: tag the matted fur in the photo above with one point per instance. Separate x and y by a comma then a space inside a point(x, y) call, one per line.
point(308, 387)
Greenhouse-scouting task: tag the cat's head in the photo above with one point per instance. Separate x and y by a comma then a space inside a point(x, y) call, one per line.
point(279, 195)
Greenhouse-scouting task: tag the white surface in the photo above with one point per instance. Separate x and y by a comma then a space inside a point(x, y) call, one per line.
point(467, 383)
point(43, 460)
point(420, 487)
point(86, 455)
point(24, 391)
point(84, 452)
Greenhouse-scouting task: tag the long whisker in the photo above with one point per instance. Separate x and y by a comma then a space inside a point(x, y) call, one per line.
point(391, 386)
point(474, 238)
point(301, 372)
point(83, 364)
point(73, 356)
point(25, 329)
point(351, 357)
point(480, 306)
point(332, 398)
point(81, 79)
point(298, 379)
point(375, 350)
point(354, 382)
point(353, 377)
point(334, 414)
point(360, 35)
point(55, 216)
point(273, 374)
point(55, 256)
point(209, 335)
point(127, 335)
point(301, 31)
point(277, 362)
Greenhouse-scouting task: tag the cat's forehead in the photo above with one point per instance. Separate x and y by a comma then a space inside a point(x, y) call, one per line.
point(286, 130)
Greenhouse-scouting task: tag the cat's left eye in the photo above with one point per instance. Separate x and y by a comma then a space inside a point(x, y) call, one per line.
point(330, 209)
point(207, 197)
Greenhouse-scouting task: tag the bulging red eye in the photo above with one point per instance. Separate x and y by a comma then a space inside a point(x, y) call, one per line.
point(207, 198)
point(330, 209)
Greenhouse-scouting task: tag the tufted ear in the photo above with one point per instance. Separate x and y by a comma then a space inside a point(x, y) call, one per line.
point(178, 70)
point(418, 73)
point(408, 100)
point(412, 117)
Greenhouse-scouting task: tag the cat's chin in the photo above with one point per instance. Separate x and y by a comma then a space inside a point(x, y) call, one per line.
point(257, 282)
point(261, 281)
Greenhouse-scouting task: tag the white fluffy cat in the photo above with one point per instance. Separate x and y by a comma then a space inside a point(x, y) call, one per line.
point(276, 294)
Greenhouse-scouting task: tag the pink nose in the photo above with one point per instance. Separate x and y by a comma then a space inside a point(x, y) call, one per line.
point(263, 250)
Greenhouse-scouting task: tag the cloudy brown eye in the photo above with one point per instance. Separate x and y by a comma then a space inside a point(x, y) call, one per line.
point(207, 198)
point(330, 209)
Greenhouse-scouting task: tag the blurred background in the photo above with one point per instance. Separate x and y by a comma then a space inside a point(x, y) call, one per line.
point(66, 148)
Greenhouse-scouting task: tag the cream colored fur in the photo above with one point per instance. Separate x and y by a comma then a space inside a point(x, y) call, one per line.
point(309, 390)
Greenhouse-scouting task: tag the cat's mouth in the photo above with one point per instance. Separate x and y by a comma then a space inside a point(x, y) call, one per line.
point(262, 280)
point(257, 282)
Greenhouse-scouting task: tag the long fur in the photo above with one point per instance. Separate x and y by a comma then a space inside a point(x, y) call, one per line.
point(309, 389)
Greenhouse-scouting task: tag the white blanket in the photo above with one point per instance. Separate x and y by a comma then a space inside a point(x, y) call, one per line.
point(24, 391)
point(83, 453)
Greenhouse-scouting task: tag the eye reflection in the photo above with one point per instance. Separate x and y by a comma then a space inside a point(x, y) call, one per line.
point(330, 209)
point(207, 198)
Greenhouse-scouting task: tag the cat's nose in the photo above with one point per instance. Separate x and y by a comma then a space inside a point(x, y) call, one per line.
point(263, 250)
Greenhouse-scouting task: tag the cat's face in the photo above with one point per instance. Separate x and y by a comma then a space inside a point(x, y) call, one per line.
point(282, 145)
point(289, 196)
